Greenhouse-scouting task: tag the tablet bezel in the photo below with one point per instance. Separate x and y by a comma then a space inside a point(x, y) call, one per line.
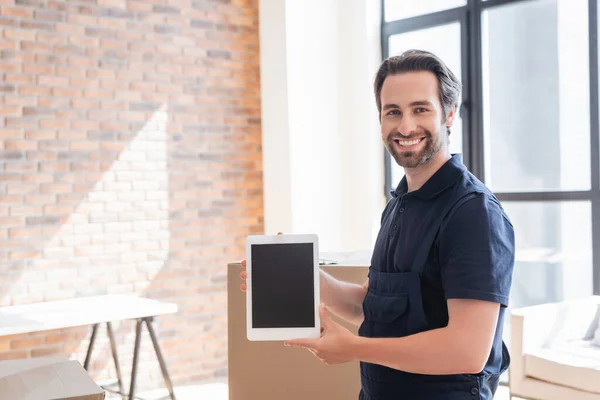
point(281, 334)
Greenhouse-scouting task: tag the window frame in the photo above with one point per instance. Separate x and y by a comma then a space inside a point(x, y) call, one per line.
point(469, 16)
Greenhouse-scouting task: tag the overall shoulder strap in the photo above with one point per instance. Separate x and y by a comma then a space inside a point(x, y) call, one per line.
point(425, 247)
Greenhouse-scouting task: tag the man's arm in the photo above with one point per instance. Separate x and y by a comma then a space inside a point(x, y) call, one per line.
point(460, 348)
point(344, 299)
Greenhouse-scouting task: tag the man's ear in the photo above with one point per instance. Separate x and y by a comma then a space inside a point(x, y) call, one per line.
point(450, 118)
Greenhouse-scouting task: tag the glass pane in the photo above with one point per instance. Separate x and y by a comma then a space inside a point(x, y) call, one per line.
point(553, 260)
point(443, 41)
point(399, 9)
point(536, 96)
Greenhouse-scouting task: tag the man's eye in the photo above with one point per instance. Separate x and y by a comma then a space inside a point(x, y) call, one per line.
point(393, 112)
point(421, 110)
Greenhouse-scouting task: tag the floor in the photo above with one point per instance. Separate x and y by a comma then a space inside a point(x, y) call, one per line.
point(218, 391)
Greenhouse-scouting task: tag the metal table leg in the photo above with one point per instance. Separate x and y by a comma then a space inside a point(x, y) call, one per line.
point(88, 356)
point(136, 352)
point(113, 347)
point(161, 361)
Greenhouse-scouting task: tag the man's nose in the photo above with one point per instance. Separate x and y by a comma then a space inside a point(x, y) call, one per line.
point(407, 126)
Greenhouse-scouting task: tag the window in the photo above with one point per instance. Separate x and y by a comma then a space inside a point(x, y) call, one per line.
point(529, 124)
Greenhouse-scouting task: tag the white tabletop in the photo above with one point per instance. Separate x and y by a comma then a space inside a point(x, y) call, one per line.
point(60, 314)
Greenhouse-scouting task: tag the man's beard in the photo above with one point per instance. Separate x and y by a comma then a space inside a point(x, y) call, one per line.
point(409, 158)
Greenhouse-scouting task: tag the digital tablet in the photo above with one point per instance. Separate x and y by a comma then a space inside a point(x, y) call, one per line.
point(282, 287)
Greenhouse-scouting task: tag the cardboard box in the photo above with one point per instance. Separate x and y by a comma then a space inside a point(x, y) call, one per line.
point(269, 370)
point(47, 378)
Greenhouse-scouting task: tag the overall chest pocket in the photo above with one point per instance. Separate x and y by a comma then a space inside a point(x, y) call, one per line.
point(386, 314)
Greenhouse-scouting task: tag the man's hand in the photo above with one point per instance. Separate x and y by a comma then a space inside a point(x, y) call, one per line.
point(336, 344)
point(244, 274)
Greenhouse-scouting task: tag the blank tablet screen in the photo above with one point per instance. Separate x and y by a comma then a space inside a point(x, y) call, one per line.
point(283, 285)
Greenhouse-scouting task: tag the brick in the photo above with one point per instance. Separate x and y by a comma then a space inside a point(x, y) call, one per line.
point(69, 114)
point(70, 27)
point(6, 88)
point(20, 167)
point(112, 3)
point(18, 188)
point(10, 133)
point(99, 32)
point(81, 62)
point(68, 49)
point(201, 24)
point(37, 111)
point(35, 221)
point(54, 103)
point(83, 41)
point(38, 178)
point(53, 80)
point(22, 101)
point(50, 37)
point(84, 103)
point(55, 188)
point(79, 133)
point(33, 90)
point(46, 15)
point(36, 3)
point(36, 47)
point(54, 167)
point(47, 352)
point(10, 111)
point(67, 92)
point(22, 145)
point(26, 24)
point(83, 146)
point(53, 145)
point(49, 59)
point(40, 134)
point(83, 20)
point(8, 44)
point(16, 12)
point(97, 93)
point(18, 122)
point(127, 95)
point(19, 79)
point(34, 69)
point(14, 355)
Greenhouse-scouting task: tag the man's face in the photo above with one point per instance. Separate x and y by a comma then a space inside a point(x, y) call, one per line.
point(413, 125)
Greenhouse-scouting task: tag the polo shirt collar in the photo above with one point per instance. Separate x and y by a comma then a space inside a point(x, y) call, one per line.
point(442, 179)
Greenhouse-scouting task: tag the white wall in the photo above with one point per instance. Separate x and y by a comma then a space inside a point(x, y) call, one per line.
point(323, 156)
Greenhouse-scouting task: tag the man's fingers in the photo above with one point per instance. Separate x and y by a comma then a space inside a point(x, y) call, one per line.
point(243, 263)
point(325, 316)
point(243, 274)
point(308, 343)
point(243, 287)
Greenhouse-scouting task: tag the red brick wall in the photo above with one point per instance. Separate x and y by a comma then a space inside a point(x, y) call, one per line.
point(130, 161)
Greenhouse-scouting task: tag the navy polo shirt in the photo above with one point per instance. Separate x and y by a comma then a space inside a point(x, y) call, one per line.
point(472, 256)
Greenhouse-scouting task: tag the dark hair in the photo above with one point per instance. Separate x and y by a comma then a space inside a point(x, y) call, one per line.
point(420, 60)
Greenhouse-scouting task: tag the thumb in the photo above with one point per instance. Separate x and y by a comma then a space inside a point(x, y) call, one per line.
point(325, 315)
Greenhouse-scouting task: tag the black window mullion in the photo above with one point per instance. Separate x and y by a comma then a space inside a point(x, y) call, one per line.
point(423, 21)
point(496, 3)
point(475, 147)
point(465, 108)
point(594, 141)
point(385, 52)
point(545, 196)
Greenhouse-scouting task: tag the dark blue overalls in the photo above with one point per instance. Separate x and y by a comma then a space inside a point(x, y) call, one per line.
point(462, 246)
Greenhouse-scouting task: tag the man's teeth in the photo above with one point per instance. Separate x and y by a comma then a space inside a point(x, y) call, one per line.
point(408, 142)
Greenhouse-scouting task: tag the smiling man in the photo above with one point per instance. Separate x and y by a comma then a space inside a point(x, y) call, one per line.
point(432, 309)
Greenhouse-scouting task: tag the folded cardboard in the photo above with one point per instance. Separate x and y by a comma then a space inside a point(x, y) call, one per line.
point(47, 378)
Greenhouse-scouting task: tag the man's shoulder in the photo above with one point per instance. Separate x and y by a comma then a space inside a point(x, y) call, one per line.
point(473, 199)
